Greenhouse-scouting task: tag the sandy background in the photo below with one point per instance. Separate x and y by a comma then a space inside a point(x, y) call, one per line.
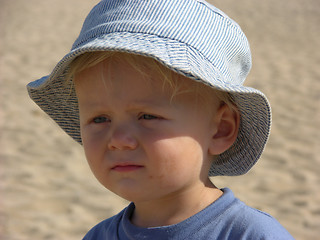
point(47, 190)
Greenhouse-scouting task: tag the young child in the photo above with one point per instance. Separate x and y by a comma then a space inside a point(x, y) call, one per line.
point(154, 92)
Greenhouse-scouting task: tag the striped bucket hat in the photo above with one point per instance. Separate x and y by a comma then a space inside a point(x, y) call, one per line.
point(190, 37)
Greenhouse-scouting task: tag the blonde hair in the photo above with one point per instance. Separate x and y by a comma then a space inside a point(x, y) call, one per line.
point(171, 78)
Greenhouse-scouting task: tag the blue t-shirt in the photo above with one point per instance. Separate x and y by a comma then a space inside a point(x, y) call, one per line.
point(226, 218)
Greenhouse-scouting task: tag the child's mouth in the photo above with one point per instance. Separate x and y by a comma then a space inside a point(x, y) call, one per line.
point(126, 168)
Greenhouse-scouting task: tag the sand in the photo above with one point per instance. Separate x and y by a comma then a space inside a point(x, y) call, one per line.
point(47, 189)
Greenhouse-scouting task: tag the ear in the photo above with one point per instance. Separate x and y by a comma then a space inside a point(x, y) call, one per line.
point(226, 122)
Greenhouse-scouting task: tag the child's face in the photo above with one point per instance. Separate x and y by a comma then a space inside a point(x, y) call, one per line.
point(139, 142)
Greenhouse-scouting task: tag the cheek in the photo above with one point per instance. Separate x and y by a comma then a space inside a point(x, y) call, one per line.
point(175, 158)
point(93, 147)
point(94, 153)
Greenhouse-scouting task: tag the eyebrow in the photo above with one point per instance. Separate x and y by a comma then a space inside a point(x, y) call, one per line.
point(145, 104)
point(139, 104)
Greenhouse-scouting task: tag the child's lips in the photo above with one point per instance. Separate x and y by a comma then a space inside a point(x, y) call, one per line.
point(126, 167)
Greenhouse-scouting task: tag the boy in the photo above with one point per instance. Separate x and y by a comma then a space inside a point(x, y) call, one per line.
point(153, 90)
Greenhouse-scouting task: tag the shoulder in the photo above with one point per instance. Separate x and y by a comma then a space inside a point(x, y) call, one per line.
point(252, 222)
point(244, 222)
point(107, 229)
point(102, 229)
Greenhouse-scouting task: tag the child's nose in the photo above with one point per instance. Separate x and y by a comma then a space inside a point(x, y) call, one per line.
point(122, 139)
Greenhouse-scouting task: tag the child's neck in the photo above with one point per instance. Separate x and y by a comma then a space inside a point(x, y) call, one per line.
point(174, 209)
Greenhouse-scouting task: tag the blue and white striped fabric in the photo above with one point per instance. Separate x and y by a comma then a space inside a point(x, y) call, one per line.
point(190, 37)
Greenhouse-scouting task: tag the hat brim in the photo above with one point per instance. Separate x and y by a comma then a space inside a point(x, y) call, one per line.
point(59, 100)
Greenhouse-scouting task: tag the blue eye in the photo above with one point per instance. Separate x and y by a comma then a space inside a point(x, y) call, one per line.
point(100, 119)
point(148, 117)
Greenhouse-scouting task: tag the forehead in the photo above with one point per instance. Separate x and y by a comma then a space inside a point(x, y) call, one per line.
point(122, 72)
